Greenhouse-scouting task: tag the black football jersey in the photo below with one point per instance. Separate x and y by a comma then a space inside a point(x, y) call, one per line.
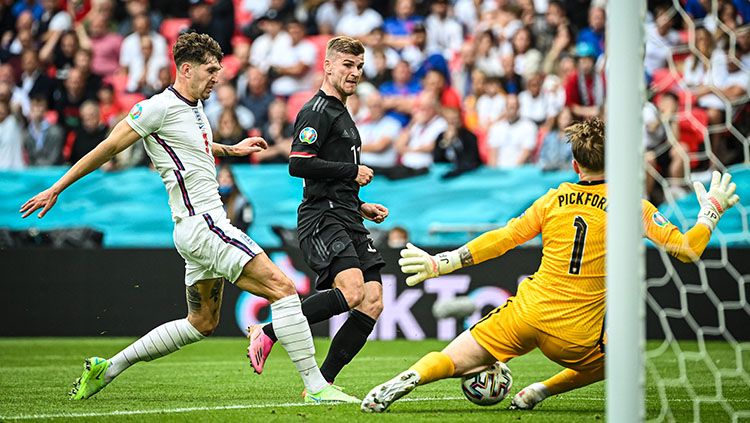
point(325, 129)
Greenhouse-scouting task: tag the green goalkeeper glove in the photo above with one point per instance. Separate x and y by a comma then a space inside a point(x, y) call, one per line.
point(424, 266)
point(719, 198)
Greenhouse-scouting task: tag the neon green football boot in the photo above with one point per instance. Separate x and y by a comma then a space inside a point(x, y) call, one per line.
point(331, 394)
point(92, 379)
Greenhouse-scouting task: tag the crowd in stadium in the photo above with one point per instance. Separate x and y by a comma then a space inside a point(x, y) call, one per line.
point(469, 82)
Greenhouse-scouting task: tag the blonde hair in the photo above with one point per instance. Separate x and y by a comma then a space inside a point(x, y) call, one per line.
point(587, 142)
point(344, 44)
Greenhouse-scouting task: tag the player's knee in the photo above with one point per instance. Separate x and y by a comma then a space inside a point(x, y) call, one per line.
point(280, 287)
point(372, 307)
point(354, 294)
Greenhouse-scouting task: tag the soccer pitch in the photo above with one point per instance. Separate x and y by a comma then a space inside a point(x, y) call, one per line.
point(212, 381)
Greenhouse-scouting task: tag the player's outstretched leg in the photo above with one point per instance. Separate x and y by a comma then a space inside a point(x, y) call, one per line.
point(261, 277)
point(204, 303)
point(461, 357)
point(565, 381)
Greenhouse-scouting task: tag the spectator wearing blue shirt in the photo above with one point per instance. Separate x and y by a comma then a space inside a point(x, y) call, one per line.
point(398, 94)
point(399, 27)
point(594, 33)
point(697, 9)
point(555, 153)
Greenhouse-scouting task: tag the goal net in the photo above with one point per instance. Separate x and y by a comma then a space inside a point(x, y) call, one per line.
point(697, 120)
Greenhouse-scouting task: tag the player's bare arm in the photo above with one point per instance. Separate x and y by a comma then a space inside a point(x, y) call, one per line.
point(245, 147)
point(121, 137)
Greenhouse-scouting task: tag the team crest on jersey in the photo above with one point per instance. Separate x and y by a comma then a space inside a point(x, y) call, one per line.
point(308, 135)
point(659, 219)
point(136, 111)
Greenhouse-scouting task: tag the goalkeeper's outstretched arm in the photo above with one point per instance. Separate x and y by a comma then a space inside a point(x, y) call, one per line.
point(689, 246)
point(495, 243)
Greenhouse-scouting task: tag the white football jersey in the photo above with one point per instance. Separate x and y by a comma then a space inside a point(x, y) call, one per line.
point(178, 139)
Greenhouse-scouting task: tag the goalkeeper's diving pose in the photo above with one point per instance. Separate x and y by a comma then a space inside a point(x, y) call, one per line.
point(560, 308)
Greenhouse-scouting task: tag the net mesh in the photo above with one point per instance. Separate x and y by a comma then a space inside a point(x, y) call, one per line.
point(699, 366)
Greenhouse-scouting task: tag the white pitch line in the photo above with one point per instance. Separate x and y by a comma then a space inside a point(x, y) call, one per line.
point(270, 405)
point(190, 409)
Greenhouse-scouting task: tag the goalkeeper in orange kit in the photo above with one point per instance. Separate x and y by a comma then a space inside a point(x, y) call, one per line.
point(560, 308)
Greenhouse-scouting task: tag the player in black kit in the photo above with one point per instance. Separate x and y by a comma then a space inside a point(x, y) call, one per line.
point(335, 243)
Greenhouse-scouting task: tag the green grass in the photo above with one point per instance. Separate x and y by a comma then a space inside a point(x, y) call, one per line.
point(212, 381)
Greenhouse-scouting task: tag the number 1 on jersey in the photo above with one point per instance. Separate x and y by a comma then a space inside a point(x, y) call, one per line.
point(576, 256)
point(355, 151)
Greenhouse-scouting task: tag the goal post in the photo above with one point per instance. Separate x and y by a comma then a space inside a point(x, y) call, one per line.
point(625, 316)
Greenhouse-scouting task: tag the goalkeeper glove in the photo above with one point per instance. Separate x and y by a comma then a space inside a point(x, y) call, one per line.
point(719, 198)
point(424, 266)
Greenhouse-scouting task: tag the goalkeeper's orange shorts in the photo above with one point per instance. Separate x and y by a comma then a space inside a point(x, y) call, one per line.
point(505, 335)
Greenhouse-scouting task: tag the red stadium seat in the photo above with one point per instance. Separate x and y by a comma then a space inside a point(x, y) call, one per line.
point(171, 27)
point(242, 17)
point(320, 42)
point(127, 100)
point(295, 103)
point(119, 82)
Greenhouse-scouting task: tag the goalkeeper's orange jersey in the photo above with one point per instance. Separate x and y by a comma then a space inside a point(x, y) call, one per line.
point(565, 297)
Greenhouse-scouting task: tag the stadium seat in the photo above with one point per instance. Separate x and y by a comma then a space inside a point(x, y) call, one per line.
point(127, 100)
point(295, 103)
point(242, 17)
point(119, 82)
point(320, 42)
point(171, 27)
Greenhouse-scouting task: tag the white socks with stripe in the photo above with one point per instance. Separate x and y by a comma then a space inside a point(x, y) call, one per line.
point(293, 332)
point(161, 341)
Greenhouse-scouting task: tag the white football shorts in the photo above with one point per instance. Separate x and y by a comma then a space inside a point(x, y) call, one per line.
point(212, 247)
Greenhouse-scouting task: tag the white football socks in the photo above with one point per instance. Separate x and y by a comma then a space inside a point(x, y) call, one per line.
point(293, 332)
point(161, 341)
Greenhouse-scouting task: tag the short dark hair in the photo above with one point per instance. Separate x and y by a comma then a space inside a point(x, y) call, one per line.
point(346, 45)
point(587, 142)
point(195, 48)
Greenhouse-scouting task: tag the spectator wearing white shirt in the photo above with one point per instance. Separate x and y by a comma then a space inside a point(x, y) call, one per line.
point(375, 45)
point(417, 141)
point(273, 40)
point(293, 65)
point(491, 104)
point(330, 13)
point(33, 81)
point(664, 152)
point(360, 21)
point(11, 137)
point(226, 98)
point(131, 50)
point(513, 140)
point(378, 133)
point(416, 52)
point(444, 33)
point(143, 75)
point(54, 20)
point(524, 55)
point(536, 105)
point(704, 80)
point(660, 38)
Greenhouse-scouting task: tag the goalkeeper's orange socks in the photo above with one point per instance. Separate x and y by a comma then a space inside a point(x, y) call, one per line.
point(434, 366)
point(570, 379)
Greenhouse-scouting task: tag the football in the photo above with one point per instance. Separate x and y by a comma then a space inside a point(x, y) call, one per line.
point(488, 387)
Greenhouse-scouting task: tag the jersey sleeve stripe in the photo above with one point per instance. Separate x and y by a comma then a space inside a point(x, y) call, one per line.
point(183, 190)
point(169, 151)
point(301, 155)
point(223, 236)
